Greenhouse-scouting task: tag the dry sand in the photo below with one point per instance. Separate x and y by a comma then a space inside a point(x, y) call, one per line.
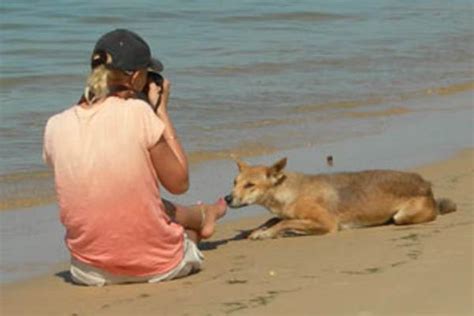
point(389, 270)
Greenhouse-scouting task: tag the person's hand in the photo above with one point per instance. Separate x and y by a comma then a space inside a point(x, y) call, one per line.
point(159, 94)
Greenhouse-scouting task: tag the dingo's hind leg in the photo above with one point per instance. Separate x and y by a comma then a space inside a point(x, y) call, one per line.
point(416, 210)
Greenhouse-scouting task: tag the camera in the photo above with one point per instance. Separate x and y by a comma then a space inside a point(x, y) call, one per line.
point(156, 78)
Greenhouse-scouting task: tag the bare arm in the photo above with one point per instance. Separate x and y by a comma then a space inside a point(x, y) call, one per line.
point(168, 156)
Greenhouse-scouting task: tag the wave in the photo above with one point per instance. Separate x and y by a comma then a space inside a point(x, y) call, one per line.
point(242, 149)
point(17, 26)
point(24, 175)
point(272, 68)
point(351, 104)
point(359, 108)
point(399, 110)
point(287, 16)
point(104, 20)
point(7, 83)
point(26, 189)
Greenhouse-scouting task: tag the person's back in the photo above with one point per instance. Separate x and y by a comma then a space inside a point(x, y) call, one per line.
point(110, 154)
point(108, 190)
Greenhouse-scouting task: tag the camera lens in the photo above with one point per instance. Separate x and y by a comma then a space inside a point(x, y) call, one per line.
point(156, 78)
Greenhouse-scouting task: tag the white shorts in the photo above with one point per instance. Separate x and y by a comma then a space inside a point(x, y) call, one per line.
point(85, 274)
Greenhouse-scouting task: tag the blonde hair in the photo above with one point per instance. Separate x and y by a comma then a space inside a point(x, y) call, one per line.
point(101, 78)
point(97, 84)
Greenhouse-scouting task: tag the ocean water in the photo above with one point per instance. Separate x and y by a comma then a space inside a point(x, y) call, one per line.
point(248, 77)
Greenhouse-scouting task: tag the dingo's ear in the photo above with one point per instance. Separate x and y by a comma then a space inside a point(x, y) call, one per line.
point(279, 165)
point(240, 164)
point(274, 172)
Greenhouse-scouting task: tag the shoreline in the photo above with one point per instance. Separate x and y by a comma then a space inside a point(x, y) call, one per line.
point(389, 270)
point(351, 119)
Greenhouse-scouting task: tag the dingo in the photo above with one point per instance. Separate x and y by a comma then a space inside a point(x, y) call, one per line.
point(324, 203)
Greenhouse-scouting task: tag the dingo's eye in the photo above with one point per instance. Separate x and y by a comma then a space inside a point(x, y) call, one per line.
point(248, 185)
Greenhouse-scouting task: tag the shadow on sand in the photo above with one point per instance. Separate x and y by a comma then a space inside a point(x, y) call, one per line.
point(66, 276)
point(214, 244)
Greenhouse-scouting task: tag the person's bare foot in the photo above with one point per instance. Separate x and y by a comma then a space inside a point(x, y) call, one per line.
point(212, 213)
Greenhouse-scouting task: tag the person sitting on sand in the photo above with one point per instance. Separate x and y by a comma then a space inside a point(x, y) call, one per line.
point(109, 154)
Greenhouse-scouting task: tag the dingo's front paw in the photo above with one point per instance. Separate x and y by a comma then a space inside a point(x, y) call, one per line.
point(260, 234)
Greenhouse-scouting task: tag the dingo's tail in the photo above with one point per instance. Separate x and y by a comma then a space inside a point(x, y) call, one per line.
point(445, 206)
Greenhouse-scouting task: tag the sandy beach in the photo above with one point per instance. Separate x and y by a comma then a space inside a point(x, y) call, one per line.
point(385, 86)
point(387, 270)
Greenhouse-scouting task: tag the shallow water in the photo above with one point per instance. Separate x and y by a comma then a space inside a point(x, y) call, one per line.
point(249, 77)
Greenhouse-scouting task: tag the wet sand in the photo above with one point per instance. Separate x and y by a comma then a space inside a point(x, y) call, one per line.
point(387, 270)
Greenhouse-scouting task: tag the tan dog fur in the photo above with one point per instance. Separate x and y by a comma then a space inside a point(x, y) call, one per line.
point(324, 203)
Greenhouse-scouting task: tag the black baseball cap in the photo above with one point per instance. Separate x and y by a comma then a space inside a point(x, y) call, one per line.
point(128, 51)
